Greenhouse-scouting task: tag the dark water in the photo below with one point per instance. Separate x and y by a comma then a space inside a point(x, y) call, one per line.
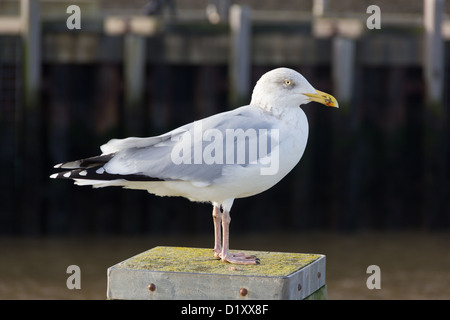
point(413, 265)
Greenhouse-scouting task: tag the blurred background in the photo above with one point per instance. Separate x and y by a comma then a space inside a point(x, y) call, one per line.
point(373, 186)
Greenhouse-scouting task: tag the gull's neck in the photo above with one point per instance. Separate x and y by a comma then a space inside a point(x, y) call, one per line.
point(290, 115)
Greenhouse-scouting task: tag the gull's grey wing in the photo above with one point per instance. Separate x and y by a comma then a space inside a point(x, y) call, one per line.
point(192, 152)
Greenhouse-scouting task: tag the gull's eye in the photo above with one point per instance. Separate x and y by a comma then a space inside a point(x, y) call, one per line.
point(288, 82)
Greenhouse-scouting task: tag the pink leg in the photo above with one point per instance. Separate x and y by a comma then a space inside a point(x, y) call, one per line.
point(217, 218)
point(238, 258)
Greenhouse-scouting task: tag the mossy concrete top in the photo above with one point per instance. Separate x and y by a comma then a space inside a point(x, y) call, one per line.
point(198, 260)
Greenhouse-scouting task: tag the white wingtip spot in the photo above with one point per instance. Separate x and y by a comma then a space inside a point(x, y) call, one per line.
point(54, 176)
point(67, 174)
point(56, 166)
point(83, 173)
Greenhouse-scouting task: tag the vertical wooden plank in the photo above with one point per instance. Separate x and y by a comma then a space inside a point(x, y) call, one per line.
point(343, 73)
point(134, 74)
point(31, 41)
point(343, 70)
point(10, 115)
point(59, 210)
point(31, 164)
point(240, 54)
point(134, 120)
point(433, 130)
point(159, 91)
point(434, 51)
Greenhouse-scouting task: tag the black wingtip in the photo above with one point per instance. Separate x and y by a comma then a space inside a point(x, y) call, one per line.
point(98, 173)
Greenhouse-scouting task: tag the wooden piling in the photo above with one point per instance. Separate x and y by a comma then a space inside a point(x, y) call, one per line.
point(31, 42)
point(434, 52)
point(134, 77)
point(193, 273)
point(240, 54)
point(434, 134)
point(343, 69)
point(31, 156)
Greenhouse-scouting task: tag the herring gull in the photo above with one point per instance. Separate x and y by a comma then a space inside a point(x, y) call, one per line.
point(230, 155)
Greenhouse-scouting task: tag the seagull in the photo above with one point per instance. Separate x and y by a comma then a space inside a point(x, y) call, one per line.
point(218, 159)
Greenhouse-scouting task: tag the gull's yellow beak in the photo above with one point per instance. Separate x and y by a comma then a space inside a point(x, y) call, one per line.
point(323, 98)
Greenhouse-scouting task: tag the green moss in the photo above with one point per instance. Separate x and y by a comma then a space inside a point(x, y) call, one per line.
point(320, 294)
point(196, 260)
